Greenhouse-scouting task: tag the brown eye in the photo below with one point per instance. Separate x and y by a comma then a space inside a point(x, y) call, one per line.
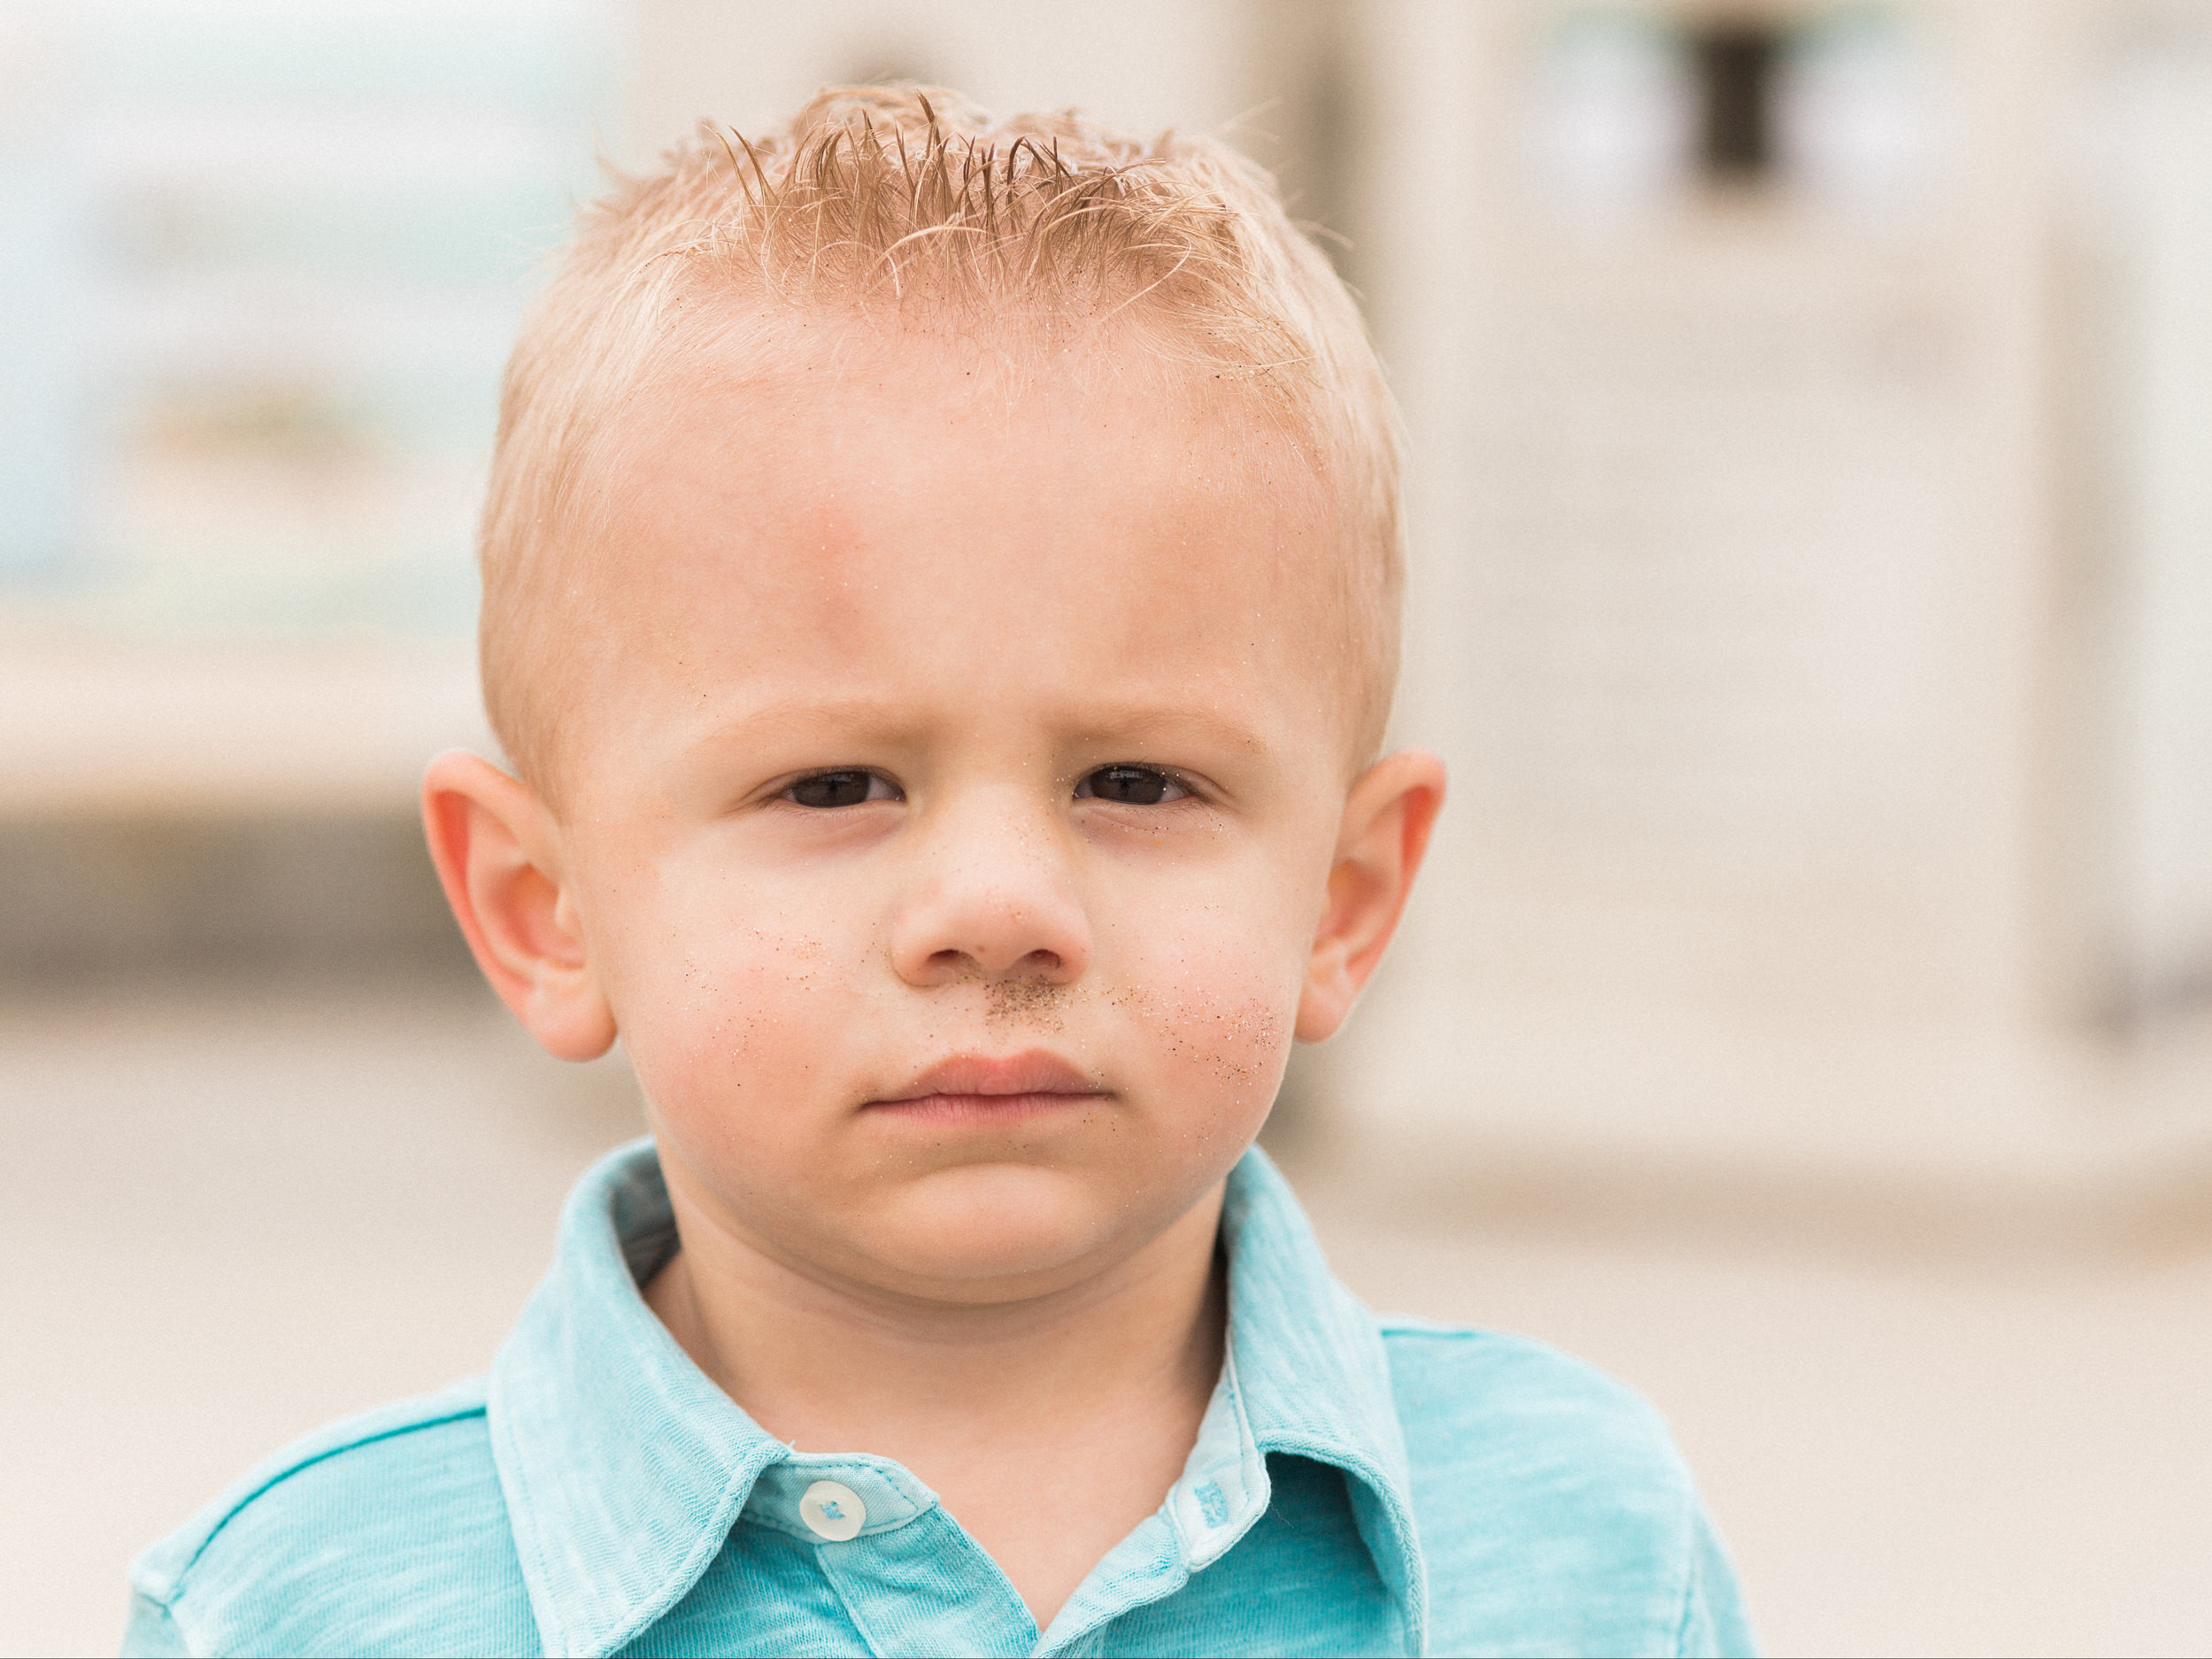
point(1131, 786)
point(839, 788)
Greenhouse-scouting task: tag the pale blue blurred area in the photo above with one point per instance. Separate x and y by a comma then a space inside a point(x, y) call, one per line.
point(43, 389)
point(264, 263)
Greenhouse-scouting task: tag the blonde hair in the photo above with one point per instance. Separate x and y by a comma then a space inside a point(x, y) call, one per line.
point(909, 197)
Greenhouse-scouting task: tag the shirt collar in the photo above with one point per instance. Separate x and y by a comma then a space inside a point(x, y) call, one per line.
point(1309, 1369)
point(625, 1467)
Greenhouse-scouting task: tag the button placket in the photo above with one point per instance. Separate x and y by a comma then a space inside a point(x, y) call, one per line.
point(927, 1587)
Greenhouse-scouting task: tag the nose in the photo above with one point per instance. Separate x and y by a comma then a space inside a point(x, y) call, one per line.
point(992, 896)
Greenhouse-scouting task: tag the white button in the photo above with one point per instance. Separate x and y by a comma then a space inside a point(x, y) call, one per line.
point(833, 1510)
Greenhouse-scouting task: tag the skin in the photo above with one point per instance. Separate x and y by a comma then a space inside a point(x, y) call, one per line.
point(958, 835)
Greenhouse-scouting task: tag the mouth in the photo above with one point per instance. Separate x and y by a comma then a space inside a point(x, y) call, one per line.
point(991, 1090)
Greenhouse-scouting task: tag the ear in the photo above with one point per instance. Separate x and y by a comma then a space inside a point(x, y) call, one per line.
point(1383, 835)
point(498, 852)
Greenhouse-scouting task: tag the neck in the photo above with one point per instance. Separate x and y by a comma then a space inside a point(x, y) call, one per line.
point(833, 1365)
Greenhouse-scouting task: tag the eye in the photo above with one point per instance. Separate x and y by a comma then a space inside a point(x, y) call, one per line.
point(1131, 786)
point(846, 787)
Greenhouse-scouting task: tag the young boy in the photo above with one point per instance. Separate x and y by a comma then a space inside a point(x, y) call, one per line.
point(940, 587)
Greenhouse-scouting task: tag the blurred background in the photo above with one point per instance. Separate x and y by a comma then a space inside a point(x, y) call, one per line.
point(1807, 1014)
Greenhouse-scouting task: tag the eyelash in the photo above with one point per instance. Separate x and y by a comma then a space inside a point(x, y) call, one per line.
point(870, 781)
point(1132, 773)
point(1167, 780)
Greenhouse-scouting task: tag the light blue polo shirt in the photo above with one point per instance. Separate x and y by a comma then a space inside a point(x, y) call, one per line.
point(1356, 1488)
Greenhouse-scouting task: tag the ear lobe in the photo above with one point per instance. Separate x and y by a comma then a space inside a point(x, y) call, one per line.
point(497, 849)
point(1384, 834)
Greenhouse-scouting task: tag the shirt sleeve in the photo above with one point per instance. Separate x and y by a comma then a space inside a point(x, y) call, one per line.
point(151, 1632)
point(1714, 1622)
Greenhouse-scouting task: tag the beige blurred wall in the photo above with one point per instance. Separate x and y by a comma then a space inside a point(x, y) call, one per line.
point(1762, 606)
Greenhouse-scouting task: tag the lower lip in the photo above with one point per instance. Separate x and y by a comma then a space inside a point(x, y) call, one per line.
point(986, 1110)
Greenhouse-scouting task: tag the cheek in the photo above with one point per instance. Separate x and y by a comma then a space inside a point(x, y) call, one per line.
point(1213, 1011)
point(727, 1006)
point(736, 1012)
point(1231, 1040)
point(1210, 972)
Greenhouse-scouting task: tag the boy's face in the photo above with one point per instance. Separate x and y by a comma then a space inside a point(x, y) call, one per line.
point(954, 807)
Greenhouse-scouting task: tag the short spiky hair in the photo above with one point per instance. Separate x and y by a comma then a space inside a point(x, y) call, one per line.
point(911, 199)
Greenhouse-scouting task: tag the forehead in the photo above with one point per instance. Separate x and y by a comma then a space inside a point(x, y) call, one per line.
point(927, 512)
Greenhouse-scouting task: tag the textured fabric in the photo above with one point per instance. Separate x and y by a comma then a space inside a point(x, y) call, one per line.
point(1354, 1489)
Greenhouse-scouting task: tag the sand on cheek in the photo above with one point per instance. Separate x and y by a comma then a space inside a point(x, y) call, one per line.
point(1214, 1057)
point(724, 1044)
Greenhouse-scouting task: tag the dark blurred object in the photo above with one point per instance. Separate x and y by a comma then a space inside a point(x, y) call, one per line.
point(273, 897)
point(1735, 67)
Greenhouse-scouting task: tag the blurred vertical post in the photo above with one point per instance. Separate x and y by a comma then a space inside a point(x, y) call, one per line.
point(2146, 213)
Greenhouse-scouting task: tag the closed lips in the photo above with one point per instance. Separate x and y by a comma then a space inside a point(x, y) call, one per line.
point(993, 1086)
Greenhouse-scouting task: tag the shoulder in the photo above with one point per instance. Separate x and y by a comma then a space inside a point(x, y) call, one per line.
point(1481, 1392)
point(385, 1532)
point(1554, 1508)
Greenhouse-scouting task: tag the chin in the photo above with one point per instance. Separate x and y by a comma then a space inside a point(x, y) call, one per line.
point(997, 1230)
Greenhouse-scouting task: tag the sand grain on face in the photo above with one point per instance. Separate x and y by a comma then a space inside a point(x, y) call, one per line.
point(1034, 1001)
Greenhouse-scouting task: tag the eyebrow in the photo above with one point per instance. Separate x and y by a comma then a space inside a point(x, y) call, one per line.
point(1149, 722)
point(871, 719)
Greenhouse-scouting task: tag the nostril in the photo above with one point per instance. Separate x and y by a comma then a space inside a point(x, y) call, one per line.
point(970, 965)
point(948, 937)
